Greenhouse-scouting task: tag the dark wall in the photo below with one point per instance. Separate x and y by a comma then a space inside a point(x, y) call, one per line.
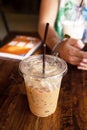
point(26, 6)
point(22, 6)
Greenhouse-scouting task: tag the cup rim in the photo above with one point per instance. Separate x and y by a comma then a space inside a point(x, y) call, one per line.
point(63, 62)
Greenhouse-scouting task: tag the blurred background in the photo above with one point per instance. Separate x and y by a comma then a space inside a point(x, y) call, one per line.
point(20, 15)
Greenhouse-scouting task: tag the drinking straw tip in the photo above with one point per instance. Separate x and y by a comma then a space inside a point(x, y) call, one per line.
point(44, 47)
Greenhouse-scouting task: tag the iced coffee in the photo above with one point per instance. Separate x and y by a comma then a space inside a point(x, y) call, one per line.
point(43, 90)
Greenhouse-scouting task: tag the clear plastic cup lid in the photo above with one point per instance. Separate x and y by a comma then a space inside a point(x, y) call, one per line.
point(34, 66)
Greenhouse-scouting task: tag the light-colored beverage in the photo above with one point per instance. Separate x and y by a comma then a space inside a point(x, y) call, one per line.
point(74, 29)
point(43, 90)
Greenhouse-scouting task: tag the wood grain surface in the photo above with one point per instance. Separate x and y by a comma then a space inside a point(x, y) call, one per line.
point(71, 112)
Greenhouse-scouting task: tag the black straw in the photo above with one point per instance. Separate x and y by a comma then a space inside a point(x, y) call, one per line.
point(81, 3)
point(44, 47)
point(79, 10)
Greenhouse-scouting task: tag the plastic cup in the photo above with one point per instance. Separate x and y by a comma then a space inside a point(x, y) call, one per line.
point(43, 91)
point(74, 29)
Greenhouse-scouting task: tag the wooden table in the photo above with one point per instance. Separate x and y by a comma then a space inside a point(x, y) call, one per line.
point(71, 112)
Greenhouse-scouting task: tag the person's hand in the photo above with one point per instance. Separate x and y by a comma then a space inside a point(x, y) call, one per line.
point(71, 51)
